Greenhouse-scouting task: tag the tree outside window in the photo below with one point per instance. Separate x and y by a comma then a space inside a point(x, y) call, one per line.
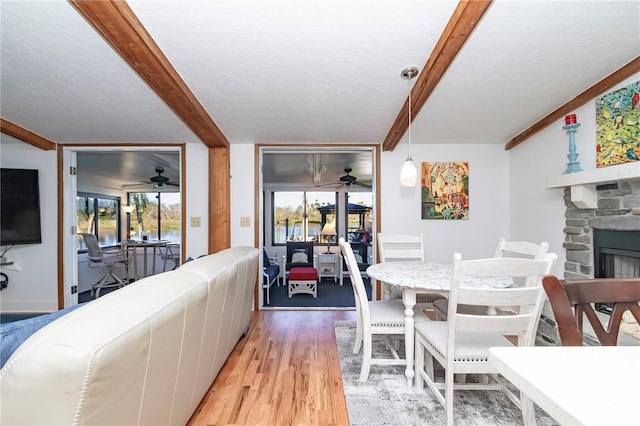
point(296, 216)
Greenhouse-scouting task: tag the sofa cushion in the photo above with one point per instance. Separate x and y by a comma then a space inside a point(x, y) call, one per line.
point(12, 334)
point(303, 274)
point(272, 271)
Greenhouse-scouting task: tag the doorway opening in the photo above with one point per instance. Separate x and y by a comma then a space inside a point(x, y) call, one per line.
point(316, 195)
point(104, 197)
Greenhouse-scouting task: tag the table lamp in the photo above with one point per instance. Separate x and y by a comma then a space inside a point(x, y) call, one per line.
point(128, 210)
point(328, 229)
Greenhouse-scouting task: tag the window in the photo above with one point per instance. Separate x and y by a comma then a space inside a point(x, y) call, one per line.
point(296, 215)
point(99, 215)
point(157, 214)
point(359, 216)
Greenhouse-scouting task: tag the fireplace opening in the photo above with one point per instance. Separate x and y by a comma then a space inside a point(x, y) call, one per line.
point(616, 255)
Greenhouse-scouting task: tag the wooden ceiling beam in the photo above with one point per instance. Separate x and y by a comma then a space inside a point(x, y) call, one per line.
point(458, 30)
point(25, 135)
point(603, 85)
point(120, 27)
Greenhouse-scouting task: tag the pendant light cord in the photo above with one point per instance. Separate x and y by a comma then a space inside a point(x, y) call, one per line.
point(409, 83)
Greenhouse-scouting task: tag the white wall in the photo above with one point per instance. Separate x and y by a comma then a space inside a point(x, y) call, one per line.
point(197, 192)
point(242, 193)
point(488, 203)
point(35, 287)
point(537, 213)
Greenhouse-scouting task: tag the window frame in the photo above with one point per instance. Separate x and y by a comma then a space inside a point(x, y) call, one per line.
point(305, 216)
point(94, 227)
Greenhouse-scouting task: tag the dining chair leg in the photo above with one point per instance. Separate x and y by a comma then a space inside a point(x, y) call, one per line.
point(419, 365)
point(429, 368)
point(528, 413)
point(448, 396)
point(366, 359)
point(358, 341)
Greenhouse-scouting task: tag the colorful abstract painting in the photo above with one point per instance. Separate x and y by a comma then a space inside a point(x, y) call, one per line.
point(618, 126)
point(445, 190)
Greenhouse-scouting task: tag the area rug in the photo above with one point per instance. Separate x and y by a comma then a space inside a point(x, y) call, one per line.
point(330, 295)
point(385, 399)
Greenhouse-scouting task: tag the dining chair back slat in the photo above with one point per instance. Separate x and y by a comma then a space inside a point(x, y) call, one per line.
point(394, 248)
point(526, 249)
point(496, 296)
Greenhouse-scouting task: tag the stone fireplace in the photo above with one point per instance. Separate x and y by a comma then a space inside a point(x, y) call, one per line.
point(605, 204)
point(618, 209)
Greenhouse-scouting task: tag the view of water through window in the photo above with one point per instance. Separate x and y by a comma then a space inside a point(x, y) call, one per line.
point(158, 218)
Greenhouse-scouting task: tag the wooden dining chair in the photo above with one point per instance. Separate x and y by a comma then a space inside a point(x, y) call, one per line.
point(400, 247)
point(374, 319)
point(572, 300)
point(461, 344)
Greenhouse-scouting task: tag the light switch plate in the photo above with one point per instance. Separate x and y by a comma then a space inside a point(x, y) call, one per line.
point(196, 222)
point(245, 221)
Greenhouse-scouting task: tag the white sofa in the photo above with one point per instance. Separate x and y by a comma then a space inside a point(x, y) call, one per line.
point(145, 354)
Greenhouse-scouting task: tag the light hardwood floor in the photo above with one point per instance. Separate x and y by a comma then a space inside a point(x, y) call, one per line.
point(285, 371)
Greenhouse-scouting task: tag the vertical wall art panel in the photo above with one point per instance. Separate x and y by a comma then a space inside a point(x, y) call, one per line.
point(618, 126)
point(445, 190)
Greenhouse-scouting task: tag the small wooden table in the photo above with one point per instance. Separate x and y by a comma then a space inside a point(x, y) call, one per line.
point(329, 266)
point(589, 385)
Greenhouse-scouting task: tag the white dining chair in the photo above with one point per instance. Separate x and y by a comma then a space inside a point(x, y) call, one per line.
point(380, 319)
point(400, 247)
point(505, 248)
point(111, 260)
point(461, 344)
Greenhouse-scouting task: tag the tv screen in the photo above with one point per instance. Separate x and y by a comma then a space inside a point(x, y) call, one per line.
point(19, 207)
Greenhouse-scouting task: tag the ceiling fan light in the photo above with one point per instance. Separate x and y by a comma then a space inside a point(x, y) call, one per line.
point(408, 174)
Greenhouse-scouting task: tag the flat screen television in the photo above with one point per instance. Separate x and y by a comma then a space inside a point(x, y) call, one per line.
point(19, 207)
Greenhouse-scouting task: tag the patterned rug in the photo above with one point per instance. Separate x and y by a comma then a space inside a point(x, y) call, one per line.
point(387, 400)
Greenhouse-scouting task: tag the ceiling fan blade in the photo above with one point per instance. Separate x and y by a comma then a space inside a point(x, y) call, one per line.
point(364, 185)
point(139, 185)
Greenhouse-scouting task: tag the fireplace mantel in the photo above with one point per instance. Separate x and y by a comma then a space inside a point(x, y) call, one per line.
point(583, 184)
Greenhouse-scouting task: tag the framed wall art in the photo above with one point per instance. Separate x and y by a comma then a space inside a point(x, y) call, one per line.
point(618, 126)
point(445, 190)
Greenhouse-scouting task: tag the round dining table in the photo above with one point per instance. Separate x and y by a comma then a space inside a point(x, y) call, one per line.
point(414, 277)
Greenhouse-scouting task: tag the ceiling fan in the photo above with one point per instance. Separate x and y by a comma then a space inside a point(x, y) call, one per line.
point(348, 179)
point(157, 181)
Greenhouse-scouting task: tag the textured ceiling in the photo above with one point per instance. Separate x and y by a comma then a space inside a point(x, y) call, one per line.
point(308, 72)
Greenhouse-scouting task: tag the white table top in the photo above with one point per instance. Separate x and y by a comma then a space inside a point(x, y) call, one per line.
point(590, 385)
point(428, 276)
point(143, 243)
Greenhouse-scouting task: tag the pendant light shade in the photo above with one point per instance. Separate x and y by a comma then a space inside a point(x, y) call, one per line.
point(409, 173)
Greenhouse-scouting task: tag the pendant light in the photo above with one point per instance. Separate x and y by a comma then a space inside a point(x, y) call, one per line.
point(409, 173)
